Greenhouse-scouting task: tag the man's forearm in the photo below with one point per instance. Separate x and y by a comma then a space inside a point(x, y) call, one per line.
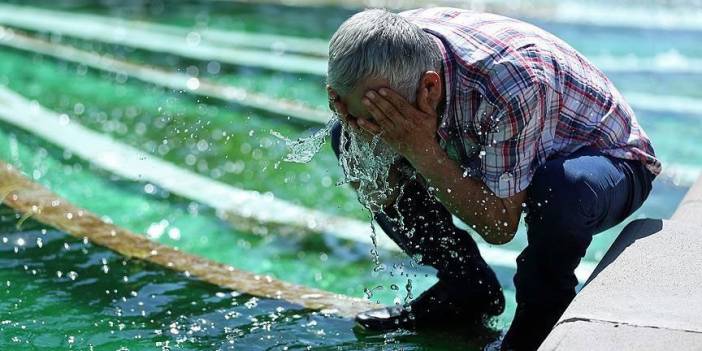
point(467, 198)
point(411, 132)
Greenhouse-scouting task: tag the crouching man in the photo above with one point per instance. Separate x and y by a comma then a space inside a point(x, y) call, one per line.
point(485, 117)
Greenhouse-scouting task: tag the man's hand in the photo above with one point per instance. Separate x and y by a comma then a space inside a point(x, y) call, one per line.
point(394, 175)
point(410, 131)
point(338, 107)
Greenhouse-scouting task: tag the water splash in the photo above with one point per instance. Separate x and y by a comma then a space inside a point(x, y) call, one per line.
point(367, 163)
point(304, 149)
point(408, 288)
point(369, 292)
point(377, 265)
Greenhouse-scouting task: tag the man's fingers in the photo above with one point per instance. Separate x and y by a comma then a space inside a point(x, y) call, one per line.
point(380, 118)
point(390, 112)
point(369, 126)
point(398, 101)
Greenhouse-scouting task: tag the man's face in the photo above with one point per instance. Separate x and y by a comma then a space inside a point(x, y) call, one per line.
point(366, 160)
point(353, 100)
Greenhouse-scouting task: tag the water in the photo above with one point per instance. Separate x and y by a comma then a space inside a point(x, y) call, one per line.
point(48, 275)
point(304, 149)
point(367, 166)
point(146, 209)
point(202, 234)
point(234, 145)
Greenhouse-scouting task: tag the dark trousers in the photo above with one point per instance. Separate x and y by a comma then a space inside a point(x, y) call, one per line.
point(568, 201)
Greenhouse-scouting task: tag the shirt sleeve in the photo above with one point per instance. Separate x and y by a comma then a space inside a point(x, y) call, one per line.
point(509, 150)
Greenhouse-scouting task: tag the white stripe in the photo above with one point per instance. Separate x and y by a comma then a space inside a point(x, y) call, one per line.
point(611, 15)
point(231, 47)
point(681, 174)
point(665, 103)
point(122, 33)
point(171, 80)
point(604, 13)
point(662, 63)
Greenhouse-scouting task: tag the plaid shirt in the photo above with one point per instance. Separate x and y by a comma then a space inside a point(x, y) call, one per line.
point(517, 96)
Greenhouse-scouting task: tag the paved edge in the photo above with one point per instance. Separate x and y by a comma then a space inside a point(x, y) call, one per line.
point(595, 335)
point(690, 208)
point(644, 294)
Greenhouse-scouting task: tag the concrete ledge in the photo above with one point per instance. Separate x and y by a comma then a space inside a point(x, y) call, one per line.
point(690, 208)
point(606, 336)
point(644, 295)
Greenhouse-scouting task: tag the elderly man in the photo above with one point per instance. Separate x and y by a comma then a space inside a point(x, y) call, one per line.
point(487, 117)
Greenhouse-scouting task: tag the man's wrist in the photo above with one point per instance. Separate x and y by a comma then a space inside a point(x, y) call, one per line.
point(427, 158)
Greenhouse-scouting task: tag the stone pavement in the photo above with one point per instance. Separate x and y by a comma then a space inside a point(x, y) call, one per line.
point(646, 292)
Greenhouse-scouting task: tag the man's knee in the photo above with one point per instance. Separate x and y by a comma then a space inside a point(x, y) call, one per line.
point(561, 199)
point(563, 214)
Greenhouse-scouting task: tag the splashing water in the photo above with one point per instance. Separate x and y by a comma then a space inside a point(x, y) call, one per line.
point(408, 288)
point(303, 150)
point(366, 163)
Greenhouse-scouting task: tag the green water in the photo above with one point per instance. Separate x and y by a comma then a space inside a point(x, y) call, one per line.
point(310, 260)
point(61, 293)
point(314, 261)
point(222, 141)
point(234, 145)
point(321, 22)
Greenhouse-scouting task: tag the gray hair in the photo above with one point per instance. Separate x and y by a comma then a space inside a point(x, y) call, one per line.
point(380, 44)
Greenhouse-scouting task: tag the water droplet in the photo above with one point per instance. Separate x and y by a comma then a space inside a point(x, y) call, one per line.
point(192, 83)
point(64, 119)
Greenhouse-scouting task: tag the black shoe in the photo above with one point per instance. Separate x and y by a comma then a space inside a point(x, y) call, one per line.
point(386, 318)
point(450, 302)
point(441, 305)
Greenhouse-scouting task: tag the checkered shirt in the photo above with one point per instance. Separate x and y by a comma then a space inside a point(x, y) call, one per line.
point(517, 95)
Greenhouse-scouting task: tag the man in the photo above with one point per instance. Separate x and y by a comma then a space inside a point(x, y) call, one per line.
point(494, 117)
